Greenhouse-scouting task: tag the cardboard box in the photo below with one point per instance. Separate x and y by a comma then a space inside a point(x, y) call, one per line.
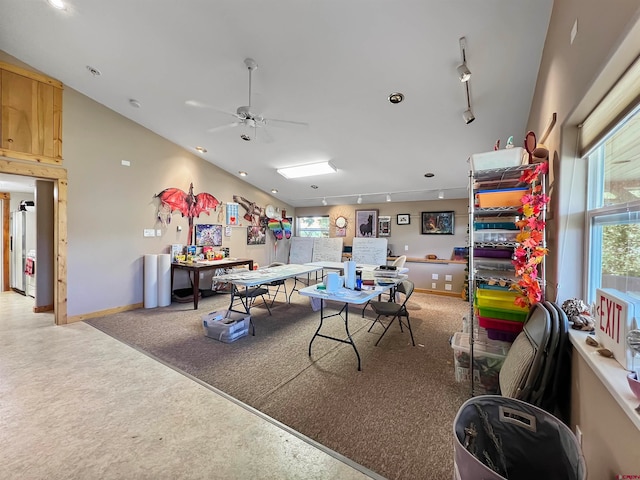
point(226, 326)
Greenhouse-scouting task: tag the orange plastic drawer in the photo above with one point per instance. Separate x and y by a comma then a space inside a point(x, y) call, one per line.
point(509, 197)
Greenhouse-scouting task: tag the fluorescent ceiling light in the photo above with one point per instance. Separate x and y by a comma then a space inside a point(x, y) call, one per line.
point(56, 4)
point(308, 170)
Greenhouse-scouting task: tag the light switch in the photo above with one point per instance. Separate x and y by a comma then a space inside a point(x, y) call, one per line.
point(149, 232)
point(447, 278)
point(434, 276)
point(406, 248)
point(158, 233)
point(447, 286)
point(433, 285)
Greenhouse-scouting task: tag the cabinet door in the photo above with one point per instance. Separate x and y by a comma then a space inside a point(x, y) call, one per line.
point(30, 116)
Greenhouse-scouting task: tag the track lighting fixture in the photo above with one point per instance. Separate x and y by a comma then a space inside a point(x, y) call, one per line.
point(468, 115)
point(464, 74)
point(359, 201)
point(324, 201)
point(440, 194)
point(388, 197)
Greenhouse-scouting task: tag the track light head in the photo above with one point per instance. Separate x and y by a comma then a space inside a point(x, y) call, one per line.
point(464, 74)
point(388, 197)
point(359, 201)
point(468, 116)
point(324, 201)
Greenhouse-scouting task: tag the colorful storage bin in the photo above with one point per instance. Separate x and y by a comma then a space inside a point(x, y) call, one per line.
point(497, 324)
point(495, 235)
point(488, 252)
point(508, 197)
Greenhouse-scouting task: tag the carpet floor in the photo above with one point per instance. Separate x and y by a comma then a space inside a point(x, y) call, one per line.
point(394, 417)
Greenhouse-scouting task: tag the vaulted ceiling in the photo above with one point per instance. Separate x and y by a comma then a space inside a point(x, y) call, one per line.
point(328, 64)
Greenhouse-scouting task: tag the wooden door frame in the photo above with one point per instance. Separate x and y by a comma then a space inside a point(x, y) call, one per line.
point(59, 177)
point(4, 248)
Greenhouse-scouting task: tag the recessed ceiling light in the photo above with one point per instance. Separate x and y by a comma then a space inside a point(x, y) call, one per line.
point(94, 71)
point(56, 4)
point(201, 149)
point(242, 174)
point(396, 97)
point(308, 170)
point(429, 174)
point(274, 190)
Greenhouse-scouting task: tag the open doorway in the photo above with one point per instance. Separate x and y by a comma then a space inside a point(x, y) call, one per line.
point(58, 176)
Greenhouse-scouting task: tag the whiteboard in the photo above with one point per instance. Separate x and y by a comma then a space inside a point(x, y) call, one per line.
point(369, 251)
point(327, 250)
point(301, 250)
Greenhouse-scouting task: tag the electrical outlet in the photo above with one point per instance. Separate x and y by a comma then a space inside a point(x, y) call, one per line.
point(433, 285)
point(158, 233)
point(434, 276)
point(149, 232)
point(406, 248)
point(201, 275)
point(447, 286)
point(447, 278)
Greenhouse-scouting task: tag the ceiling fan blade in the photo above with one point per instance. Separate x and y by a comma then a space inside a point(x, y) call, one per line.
point(266, 136)
point(197, 104)
point(224, 127)
point(277, 122)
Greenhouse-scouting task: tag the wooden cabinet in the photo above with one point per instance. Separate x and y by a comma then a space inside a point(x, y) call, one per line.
point(31, 115)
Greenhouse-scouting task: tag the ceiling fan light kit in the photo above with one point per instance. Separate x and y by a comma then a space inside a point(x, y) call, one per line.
point(244, 116)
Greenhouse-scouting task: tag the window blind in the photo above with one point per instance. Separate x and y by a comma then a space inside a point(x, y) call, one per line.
point(623, 97)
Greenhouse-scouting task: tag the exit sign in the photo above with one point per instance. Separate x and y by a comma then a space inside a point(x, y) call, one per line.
point(615, 314)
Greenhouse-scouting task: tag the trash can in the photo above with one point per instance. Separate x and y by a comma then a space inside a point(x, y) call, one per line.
point(501, 438)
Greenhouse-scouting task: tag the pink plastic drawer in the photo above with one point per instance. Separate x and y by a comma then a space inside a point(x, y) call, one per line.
point(497, 324)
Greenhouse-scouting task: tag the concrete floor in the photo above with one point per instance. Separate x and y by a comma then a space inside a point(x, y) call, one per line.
point(77, 404)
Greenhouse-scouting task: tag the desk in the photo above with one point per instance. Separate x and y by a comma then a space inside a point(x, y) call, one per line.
point(262, 276)
point(203, 265)
point(343, 295)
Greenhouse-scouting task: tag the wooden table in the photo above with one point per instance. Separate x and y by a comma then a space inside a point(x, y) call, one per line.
point(202, 266)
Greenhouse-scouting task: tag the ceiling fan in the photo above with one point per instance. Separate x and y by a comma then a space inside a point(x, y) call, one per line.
point(245, 117)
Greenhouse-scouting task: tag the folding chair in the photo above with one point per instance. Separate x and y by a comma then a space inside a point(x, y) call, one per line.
point(394, 310)
point(276, 284)
point(525, 360)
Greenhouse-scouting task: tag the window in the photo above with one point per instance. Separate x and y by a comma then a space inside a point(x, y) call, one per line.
point(313, 226)
point(613, 210)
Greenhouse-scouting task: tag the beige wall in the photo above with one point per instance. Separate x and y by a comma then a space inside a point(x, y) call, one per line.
point(109, 205)
point(419, 246)
point(571, 80)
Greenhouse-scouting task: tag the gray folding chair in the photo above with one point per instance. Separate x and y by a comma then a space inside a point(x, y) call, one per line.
point(394, 310)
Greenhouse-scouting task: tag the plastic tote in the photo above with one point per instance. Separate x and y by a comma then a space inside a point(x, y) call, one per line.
point(498, 438)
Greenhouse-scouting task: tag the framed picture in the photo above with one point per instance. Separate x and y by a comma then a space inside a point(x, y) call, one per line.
point(208, 235)
point(437, 223)
point(403, 219)
point(384, 226)
point(366, 223)
point(256, 235)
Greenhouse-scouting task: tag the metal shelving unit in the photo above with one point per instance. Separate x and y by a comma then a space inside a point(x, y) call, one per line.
point(494, 179)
